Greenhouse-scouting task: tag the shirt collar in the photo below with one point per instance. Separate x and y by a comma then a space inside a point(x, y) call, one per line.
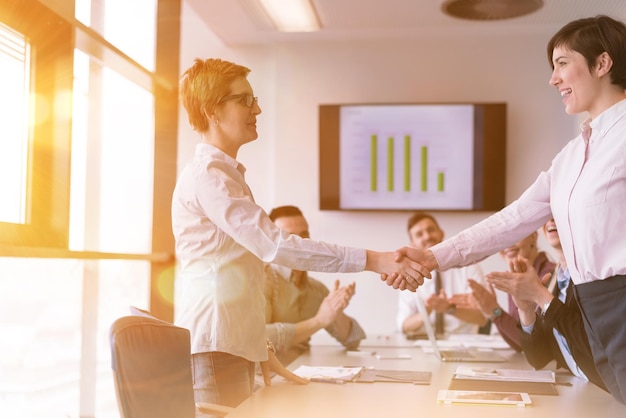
point(562, 275)
point(605, 120)
point(208, 150)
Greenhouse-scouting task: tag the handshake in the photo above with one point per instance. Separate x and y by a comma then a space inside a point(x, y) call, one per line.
point(404, 269)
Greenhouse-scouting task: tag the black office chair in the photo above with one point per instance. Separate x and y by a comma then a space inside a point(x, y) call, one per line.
point(151, 361)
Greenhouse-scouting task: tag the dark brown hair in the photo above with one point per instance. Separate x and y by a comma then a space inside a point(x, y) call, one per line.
point(283, 211)
point(592, 36)
point(419, 216)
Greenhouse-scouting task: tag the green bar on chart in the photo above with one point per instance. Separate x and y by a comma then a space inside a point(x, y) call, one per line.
point(424, 185)
point(373, 163)
point(390, 164)
point(440, 181)
point(407, 163)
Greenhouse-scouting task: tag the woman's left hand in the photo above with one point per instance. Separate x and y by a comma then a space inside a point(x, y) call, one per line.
point(274, 365)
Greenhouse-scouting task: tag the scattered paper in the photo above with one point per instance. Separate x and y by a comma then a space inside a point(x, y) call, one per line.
point(512, 375)
point(328, 372)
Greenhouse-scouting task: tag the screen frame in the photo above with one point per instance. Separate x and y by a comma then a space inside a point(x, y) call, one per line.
point(489, 157)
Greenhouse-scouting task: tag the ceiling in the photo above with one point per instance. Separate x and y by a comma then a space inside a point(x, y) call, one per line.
point(240, 22)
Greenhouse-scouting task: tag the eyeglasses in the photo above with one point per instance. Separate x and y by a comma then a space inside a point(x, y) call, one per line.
point(246, 98)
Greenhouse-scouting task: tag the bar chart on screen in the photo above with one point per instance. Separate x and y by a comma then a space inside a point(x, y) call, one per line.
point(407, 157)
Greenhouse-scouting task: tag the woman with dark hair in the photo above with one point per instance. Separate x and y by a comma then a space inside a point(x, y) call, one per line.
point(584, 188)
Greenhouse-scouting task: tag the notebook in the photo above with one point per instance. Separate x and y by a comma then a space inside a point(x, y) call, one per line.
point(395, 376)
point(450, 355)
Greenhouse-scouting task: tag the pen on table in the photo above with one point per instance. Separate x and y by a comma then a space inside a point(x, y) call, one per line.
point(327, 380)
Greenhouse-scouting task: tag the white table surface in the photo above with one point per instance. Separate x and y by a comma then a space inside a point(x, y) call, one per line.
point(398, 400)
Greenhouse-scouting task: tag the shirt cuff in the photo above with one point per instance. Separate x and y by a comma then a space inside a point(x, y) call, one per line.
point(354, 338)
point(281, 334)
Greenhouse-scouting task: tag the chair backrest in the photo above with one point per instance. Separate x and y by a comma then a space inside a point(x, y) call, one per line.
point(151, 364)
point(140, 312)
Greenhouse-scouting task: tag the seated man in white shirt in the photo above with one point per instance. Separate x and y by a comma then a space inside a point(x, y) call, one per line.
point(424, 232)
point(297, 306)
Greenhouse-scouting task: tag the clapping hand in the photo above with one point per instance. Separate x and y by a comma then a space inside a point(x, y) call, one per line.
point(334, 303)
point(438, 302)
point(464, 301)
point(522, 283)
point(483, 297)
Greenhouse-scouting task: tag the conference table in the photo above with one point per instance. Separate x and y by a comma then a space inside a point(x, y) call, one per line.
point(575, 398)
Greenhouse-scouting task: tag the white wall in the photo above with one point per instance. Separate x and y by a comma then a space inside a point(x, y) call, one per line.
point(292, 80)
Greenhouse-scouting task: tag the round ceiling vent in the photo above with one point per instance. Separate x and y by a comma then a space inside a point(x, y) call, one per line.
point(490, 9)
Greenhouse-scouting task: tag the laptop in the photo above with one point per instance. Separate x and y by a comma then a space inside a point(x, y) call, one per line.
point(456, 355)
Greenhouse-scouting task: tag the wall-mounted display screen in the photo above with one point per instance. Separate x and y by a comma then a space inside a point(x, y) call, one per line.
point(412, 156)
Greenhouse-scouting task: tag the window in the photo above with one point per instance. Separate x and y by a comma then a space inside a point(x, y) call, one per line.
point(116, 17)
point(112, 161)
point(79, 184)
point(37, 53)
point(15, 83)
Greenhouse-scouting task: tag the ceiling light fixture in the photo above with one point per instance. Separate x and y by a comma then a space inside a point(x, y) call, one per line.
point(490, 9)
point(292, 15)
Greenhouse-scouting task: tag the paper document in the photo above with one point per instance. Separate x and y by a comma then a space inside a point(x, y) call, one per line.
point(458, 344)
point(509, 375)
point(346, 374)
point(478, 341)
point(395, 376)
point(520, 399)
point(440, 343)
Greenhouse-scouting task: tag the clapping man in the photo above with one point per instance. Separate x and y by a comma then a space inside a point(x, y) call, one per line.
point(297, 306)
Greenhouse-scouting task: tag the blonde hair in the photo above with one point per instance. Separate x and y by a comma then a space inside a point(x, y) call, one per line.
point(204, 84)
